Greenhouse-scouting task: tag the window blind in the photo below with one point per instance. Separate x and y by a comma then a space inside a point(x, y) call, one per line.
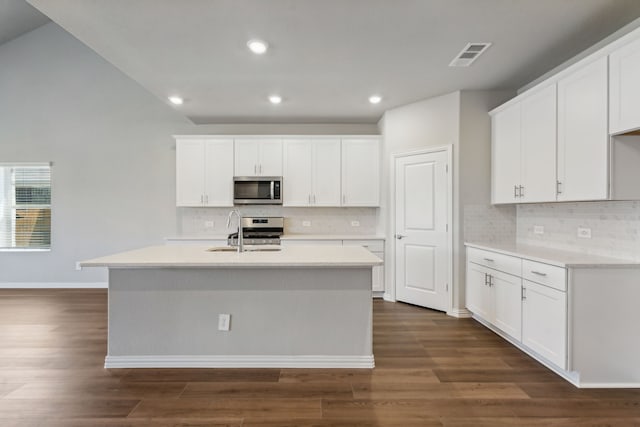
point(25, 206)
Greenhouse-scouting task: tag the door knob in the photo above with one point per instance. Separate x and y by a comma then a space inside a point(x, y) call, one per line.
point(399, 236)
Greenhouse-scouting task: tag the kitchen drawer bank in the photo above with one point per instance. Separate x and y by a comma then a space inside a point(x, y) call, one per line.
point(576, 314)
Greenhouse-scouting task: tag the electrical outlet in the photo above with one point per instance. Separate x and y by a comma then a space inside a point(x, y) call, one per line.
point(224, 322)
point(538, 229)
point(584, 232)
point(209, 224)
point(78, 266)
point(355, 223)
point(306, 223)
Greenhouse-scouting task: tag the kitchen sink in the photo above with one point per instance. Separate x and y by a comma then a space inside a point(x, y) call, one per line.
point(252, 248)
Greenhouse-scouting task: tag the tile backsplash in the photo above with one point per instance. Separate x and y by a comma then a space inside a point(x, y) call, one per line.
point(198, 221)
point(490, 224)
point(615, 227)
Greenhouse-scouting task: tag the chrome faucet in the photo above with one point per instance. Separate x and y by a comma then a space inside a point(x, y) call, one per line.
point(240, 232)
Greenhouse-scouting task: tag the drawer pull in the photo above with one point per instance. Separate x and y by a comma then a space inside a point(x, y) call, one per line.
point(488, 259)
point(538, 273)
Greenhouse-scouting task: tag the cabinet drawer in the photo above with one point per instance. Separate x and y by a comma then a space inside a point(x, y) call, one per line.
point(505, 263)
point(545, 274)
point(371, 245)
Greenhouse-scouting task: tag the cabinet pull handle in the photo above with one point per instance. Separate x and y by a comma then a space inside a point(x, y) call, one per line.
point(490, 280)
point(515, 191)
point(521, 191)
point(488, 259)
point(558, 189)
point(538, 273)
point(486, 279)
point(202, 199)
point(309, 199)
point(344, 199)
point(260, 169)
point(255, 169)
point(314, 199)
point(523, 293)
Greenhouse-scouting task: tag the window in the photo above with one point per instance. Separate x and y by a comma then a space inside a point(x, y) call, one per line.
point(25, 206)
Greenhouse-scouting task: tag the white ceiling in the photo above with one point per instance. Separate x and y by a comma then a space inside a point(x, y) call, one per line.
point(328, 56)
point(18, 17)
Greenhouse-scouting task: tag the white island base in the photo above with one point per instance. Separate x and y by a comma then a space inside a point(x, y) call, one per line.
point(284, 316)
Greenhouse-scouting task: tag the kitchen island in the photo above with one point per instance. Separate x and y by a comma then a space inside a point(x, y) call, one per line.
point(302, 306)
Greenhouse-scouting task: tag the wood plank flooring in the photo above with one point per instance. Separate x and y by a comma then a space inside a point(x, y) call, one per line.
point(431, 370)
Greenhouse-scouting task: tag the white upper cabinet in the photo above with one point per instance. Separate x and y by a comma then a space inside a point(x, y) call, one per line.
point(204, 172)
point(505, 155)
point(524, 150)
point(624, 88)
point(360, 172)
point(583, 137)
point(311, 172)
point(538, 147)
point(258, 157)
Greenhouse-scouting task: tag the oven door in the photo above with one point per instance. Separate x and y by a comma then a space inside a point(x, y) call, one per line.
point(261, 190)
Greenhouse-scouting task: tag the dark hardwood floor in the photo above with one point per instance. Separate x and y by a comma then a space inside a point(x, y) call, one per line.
point(431, 370)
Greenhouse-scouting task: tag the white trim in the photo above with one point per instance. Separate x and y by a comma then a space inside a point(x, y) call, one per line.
point(365, 362)
point(275, 136)
point(608, 385)
point(389, 297)
point(54, 285)
point(459, 313)
point(392, 214)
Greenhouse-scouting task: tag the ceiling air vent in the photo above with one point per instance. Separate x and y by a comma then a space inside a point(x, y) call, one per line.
point(470, 53)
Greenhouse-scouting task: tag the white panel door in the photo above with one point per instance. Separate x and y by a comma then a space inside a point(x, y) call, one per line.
point(538, 156)
point(478, 294)
point(326, 172)
point(544, 322)
point(505, 152)
point(507, 300)
point(296, 180)
point(218, 177)
point(583, 137)
point(246, 157)
point(270, 157)
point(422, 239)
point(624, 86)
point(190, 169)
point(360, 172)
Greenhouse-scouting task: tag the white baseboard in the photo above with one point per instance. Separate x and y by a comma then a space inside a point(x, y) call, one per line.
point(239, 362)
point(54, 285)
point(609, 385)
point(459, 312)
point(387, 297)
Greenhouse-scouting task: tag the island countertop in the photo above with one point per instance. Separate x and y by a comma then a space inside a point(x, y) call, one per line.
point(197, 256)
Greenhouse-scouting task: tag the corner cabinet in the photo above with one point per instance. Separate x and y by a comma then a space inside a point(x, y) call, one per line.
point(624, 86)
point(204, 172)
point(258, 157)
point(361, 172)
point(311, 171)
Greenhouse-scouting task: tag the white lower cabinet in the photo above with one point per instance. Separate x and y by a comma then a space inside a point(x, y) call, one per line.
point(544, 322)
point(534, 314)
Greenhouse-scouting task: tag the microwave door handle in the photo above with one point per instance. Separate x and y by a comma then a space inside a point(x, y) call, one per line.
point(272, 190)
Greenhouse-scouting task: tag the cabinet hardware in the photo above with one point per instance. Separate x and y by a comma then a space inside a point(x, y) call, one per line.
point(558, 189)
point(260, 169)
point(524, 293)
point(490, 280)
point(488, 259)
point(314, 199)
point(515, 191)
point(309, 198)
point(202, 199)
point(521, 191)
point(344, 199)
point(538, 273)
point(486, 279)
point(255, 169)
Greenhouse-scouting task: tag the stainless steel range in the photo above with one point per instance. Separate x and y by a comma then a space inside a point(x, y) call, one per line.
point(259, 231)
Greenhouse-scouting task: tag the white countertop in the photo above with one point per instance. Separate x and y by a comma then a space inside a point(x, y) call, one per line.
point(287, 237)
point(552, 256)
point(198, 256)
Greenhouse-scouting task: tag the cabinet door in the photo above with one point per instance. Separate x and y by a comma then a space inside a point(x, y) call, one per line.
point(505, 155)
point(190, 172)
point(326, 172)
point(624, 84)
point(538, 156)
point(360, 172)
point(583, 137)
point(296, 175)
point(378, 277)
point(507, 295)
point(246, 157)
point(544, 322)
point(218, 181)
point(270, 157)
point(478, 293)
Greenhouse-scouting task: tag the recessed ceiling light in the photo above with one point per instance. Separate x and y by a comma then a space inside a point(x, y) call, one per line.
point(275, 99)
point(375, 99)
point(176, 100)
point(257, 46)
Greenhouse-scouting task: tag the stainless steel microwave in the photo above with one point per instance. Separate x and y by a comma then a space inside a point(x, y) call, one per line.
point(257, 190)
